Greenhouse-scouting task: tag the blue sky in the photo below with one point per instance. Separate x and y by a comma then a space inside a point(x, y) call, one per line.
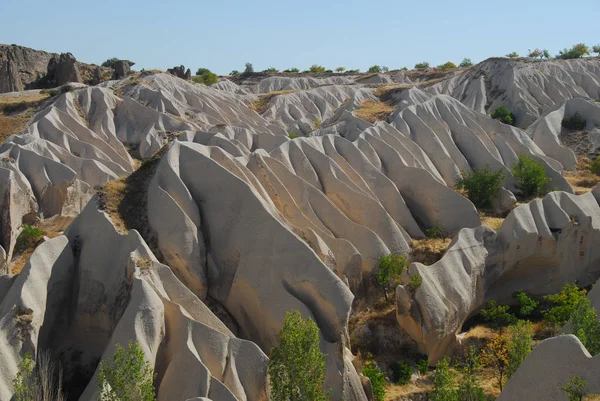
point(224, 35)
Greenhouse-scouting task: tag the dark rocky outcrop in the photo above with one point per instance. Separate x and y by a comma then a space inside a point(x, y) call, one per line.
point(181, 72)
point(122, 69)
point(9, 76)
point(64, 69)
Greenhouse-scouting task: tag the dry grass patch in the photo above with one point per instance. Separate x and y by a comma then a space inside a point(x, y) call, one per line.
point(422, 385)
point(429, 250)
point(582, 179)
point(373, 111)
point(263, 102)
point(16, 111)
point(491, 221)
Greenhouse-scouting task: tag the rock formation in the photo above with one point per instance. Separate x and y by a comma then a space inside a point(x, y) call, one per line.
point(181, 72)
point(63, 69)
point(122, 68)
point(10, 81)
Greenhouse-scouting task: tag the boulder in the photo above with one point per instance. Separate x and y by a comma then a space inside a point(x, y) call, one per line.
point(9, 76)
point(180, 72)
point(122, 68)
point(63, 69)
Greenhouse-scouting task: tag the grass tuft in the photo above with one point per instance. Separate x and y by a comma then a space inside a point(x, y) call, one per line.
point(373, 111)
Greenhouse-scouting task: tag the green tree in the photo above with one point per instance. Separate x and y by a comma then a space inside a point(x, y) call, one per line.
point(422, 66)
point(512, 55)
point(596, 49)
point(535, 53)
point(520, 337)
point(527, 305)
point(206, 77)
point(402, 372)
point(374, 69)
point(595, 166)
point(28, 238)
point(504, 115)
point(126, 376)
point(292, 70)
point(495, 355)
point(447, 66)
point(482, 186)
point(316, 69)
point(576, 51)
point(497, 315)
point(576, 122)
point(377, 379)
point(469, 388)
point(271, 70)
point(585, 325)
point(234, 72)
point(340, 69)
point(530, 175)
point(297, 366)
point(249, 69)
point(110, 63)
point(23, 381)
point(546, 54)
point(563, 304)
point(415, 282)
point(466, 62)
point(576, 389)
point(390, 268)
point(443, 383)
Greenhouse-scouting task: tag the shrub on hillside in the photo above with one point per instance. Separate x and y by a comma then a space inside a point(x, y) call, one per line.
point(291, 70)
point(531, 176)
point(271, 70)
point(446, 66)
point(340, 69)
point(415, 282)
point(596, 49)
point(504, 115)
point(497, 315)
point(466, 62)
point(249, 69)
point(576, 51)
point(482, 186)
point(512, 55)
point(436, 231)
point(234, 72)
point(377, 379)
point(564, 304)
point(374, 69)
point(520, 338)
point(390, 268)
point(576, 389)
point(39, 381)
point(595, 166)
point(585, 325)
point(527, 305)
point(422, 66)
point(316, 69)
point(535, 53)
point(206, 77)
point(576, 122)
point(28, 238)
point(110, 63)
point(423, 366)
point(443, 382)
point(402, 372)
point(297, 367)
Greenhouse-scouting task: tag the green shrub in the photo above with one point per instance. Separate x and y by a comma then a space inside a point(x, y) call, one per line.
point(126, 376)
point(576, 51)
point(530, 175)
point(22, 383)
point(28, 238)
point(340, 69)
point(110, 63)
point(482, 186)
point(291, 70)
point(353, 71)
point(574, 123)
point(585, 325)
point(466, 62)
point(469, 387)
point(271, 70)
point(563, 304)
point(535, 53)
point(443, 382)
point(422, 66)
point(527, 305)
point(504, 115)
point(595, 166)
point(297, 366)
point(249, 69)
point(423, 366)
point(446, 66)
point(390, 268)
point(206, 77)
point(316, 69)
point(374, 69)
point(403, 69)
point(378, 383)
point(576, 389)
point(415, 282)
point(497, 315)
point(436, 231)
point(292, 135)
point(402, 373)
point(512, 55)
point(596, 49)
point(519, 345)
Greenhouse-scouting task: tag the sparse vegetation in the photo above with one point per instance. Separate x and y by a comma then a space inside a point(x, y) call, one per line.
point(234, 72)
point(469, 387)
point(564, 304)
point(16, 111)
point(495, 355)
point(436, 231)
point(390, 268)
point(527, 305)
point(576, 389)
point(373, 111)
point(423, 366)
point(482, 186)
point(422, 66)
point(520, 338)
point(428, 251)
point(535, 53)
point(374, 69)
point(497, 315)
point(126, 376)
point(402, 372)
point(316, 69)
point(292, 135)
point(294, 70)
point(449, 65)
point(576, 122)
point(28, 238)
point(110, 63)
point(377, 378)
point(340, 69)
point(41, 381)
point(206, 77)
point(595, 166)
point(443, 382)
point(576, 51)
point(415, 282)
point(466, 62)
point(249, 69)
point(512, 55)
point(585, 325)
point(531, 176)
point(504, 115)
point(263, 102)
point(596, 49)
point(270, 70)
point(297, 365)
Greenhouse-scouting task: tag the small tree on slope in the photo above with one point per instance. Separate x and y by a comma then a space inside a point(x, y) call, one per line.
point(297, 366)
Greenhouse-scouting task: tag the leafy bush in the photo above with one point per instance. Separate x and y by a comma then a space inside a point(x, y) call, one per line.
point(415, 282)
point(482, 186)
point(378, 383)
point(423, 366)
point(530, 175)
point(422, 66)
point(527, 305)
point(585, 325)
point(271, 69)
point(316, 69)
point(447, 66)
point(512, 55)
point(497, 315)
point(234, 72)
point(595, 166)
point(576, 389)
point(574, 123)
point(535, 53)
point(110, 63)
point(403, 69)
point(297, 366)
point(576, 51)
point(402, 373)
point(466, 62)
point(39, 381)
point(436, 231)
point(504, 115)
point(520, 337)
point(374, 69)
point(28, 238)
point(563, 304)
point(443, 382)
point(546, 54)
point(353, 71)
point(469, 387)
point(390, 268)
point(291, 70)
point(249, 69)
point(495, 355)
point(596, 49)
point(126, 376)
point(206, 77)
point(340, 69)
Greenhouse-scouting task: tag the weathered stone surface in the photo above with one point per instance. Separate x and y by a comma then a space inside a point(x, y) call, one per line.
point(30, 65)
point(63, 69)
point(180, 72)
point(10, 81)
point(122, 69)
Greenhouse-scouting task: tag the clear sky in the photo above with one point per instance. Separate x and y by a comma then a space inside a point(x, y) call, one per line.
point(224, 35)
